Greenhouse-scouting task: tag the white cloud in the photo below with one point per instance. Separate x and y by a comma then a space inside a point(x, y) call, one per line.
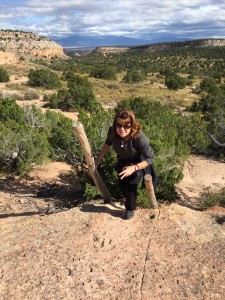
point(145, 18)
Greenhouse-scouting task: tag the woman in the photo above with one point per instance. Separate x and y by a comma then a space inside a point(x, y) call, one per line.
point(134, 155)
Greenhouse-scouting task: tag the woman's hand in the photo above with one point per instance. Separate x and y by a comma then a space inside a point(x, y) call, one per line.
point(127, 171)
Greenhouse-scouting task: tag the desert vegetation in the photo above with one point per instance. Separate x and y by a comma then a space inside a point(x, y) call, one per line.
point(177, 94)
point(4, 75)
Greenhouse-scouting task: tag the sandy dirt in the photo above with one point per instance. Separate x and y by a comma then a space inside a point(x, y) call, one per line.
point(200, 173)
point(8, 58)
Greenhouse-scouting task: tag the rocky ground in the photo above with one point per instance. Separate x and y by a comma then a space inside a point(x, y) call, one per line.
point(53, 246)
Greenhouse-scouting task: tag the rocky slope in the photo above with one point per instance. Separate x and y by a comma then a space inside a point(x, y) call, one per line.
point(90, 252)
point(28, 45)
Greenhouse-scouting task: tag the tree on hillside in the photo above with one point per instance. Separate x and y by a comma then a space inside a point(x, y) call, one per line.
point(208, 85)
point(134, 76)
point(175, 82)
point(79, 94)
point(43, 78)
point(104, 72)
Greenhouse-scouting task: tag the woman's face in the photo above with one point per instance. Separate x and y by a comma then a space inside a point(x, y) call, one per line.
point(123, 129)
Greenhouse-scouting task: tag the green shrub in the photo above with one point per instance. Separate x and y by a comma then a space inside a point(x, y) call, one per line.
point(28, 136)
point(20, 148)
point(90, 192)
point(53, 101)
point(175, 82)
point(9, 110)
point(104, 72)
point(4, 76)
point(45, 98)
point(43, 78)
point(63, 142)
point(212, 109)
point(78, 96)
point(134, 76)
point(208, 85)
point(210, 198)
point(22, 143)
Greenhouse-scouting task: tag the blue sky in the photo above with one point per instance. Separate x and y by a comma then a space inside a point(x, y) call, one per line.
point(152, 19)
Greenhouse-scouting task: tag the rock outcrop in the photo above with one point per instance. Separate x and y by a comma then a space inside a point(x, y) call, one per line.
point(109, 50)
point(28, 45)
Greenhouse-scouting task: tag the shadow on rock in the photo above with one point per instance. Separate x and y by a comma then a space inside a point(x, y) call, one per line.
point(64, 192)
point(2, 216)
point(91, 208)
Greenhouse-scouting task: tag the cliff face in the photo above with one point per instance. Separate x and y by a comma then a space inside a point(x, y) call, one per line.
point(29, 45)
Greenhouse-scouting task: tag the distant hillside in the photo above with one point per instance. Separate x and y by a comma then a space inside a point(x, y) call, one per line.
point(28, 45)
point(96, 41)
point(164, 46)
point(185, 44)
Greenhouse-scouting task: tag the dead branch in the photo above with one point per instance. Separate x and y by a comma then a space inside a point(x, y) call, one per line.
point(213, 138)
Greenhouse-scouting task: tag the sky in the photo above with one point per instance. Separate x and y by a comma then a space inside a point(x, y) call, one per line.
point(139, 19)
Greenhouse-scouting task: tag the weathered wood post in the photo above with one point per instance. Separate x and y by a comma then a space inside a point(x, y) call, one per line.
point(81, 134)
point(150, 191)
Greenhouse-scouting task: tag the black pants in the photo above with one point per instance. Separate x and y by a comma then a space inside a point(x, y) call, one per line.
point(128, 187)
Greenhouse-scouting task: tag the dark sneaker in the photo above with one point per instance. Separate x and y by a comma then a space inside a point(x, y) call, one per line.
point(129, 214)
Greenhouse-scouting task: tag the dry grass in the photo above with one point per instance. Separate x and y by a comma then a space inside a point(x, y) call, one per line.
point(110, 92)
point(16, 86)
point(153, 88)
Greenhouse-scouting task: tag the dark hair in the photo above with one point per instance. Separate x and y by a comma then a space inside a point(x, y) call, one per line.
point(127, 117)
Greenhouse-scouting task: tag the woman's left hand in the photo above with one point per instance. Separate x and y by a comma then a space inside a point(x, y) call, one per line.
point(127, 171)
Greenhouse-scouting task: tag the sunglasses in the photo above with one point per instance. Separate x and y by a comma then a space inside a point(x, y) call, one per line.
point(125, 126)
